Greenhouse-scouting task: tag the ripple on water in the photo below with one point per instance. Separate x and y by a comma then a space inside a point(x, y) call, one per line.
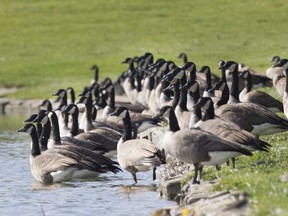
point(110, 194)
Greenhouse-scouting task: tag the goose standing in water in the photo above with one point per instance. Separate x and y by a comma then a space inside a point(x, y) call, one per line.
point(136, 155)
point(196, 146)
point(58, 165)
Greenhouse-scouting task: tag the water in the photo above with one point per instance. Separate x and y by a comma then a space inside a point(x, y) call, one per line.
point(110, 194)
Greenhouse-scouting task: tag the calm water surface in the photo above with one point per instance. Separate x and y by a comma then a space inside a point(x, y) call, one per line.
point(109, 194)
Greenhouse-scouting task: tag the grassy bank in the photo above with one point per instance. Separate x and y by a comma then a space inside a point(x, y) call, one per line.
point(50, 44)
point(47, 45)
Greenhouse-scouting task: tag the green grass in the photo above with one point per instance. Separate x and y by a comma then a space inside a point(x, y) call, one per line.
point(264, 176)
point(47, 45)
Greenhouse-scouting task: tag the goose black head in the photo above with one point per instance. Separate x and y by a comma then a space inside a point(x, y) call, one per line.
point(30, 118)
point(122, 112)
point(41, 117)
point(60, 93)
point(245, 74)
point(205, 69)
point(71, 108)
point(183, 56)
point(27, 128)
point(173, 75)
point(221, 63)
point(189, 66)
point(282, 63)
point(275, 59)
point(204, 103)
point(229, 65)
point(165, 111)
point(45, 105)
point(191, 85)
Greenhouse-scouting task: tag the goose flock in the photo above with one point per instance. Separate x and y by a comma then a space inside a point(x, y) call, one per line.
point(202, 119)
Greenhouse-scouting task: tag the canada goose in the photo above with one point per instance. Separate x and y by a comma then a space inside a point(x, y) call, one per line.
point(258, 119)
point(226, 129)
point(197, 146)
point(181, 110)
point(259, 97)
point(184, 57)
point(95, 69)
point(129, 83)
point(136, 155)
point(50, 137)
point(58, 165)
point(285, 94)
point(207, 71)
point(194, 94)
point(86, 122)
point(258, 79)
point(279, 80)
point(62, 117)
point(271, 71)
point(46, 105)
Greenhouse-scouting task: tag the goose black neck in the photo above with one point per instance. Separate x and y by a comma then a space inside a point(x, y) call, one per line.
point(209, 113)
point(208, 80)
point(35, 150)
point(138, 80)
point(55, 127)
point(248, 83)
point(45, 135)
point(224, 97)
point(176, 94)
point(96, 74)
point(127, 133)
point(235, 84)
point(192, 74)
point(223, 76)
point(185, 59)
point(72, 95)
point(75, 123)
point(112, 98)
point(183, 94)
point(39, 129)
point(173, 122)
point(152, 82)
point(88, 108)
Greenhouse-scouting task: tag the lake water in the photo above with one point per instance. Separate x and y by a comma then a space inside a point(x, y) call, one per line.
point(110, 194)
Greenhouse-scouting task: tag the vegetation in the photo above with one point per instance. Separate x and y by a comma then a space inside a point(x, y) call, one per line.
point(47, 45)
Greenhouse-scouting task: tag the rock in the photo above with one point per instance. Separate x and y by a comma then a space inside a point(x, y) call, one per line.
point(170, 188)
point(200, 200)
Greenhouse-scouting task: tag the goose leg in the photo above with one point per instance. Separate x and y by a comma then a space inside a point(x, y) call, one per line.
point(233, 163)
point(154, 173)
point(134, 177)
point(195, 178)
point(218, 167)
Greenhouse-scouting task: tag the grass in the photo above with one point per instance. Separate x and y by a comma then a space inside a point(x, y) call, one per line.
point(47, 45)
point(264, 176)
